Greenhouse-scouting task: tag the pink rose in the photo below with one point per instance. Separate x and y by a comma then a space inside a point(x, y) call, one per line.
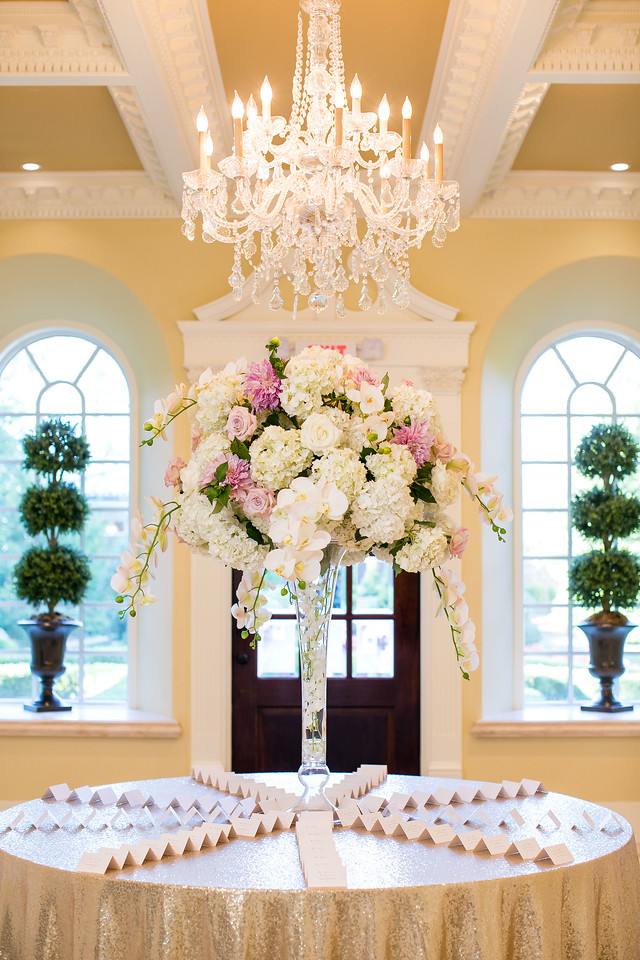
point(459, 542)
point(172, 476)
point(443, 450)
point(196, 436)
point(258, 502)
point(241, 423)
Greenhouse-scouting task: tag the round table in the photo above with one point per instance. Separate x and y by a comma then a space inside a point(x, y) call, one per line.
point(246, 900)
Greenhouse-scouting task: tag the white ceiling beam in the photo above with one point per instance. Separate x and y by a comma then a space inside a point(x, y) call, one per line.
point(487, 50)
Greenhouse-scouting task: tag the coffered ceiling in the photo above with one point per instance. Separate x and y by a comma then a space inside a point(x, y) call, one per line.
point(536, 97)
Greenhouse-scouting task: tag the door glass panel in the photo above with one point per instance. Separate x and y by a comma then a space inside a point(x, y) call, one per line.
point(373, 587)
point(372, 648)
point(278, 650)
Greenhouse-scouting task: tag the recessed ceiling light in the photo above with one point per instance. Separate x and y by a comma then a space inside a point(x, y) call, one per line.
point(30, 166)
point(618, 167)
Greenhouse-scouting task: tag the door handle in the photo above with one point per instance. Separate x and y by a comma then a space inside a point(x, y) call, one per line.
point(242, 659)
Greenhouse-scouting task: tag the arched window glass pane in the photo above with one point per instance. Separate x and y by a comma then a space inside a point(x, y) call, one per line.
point(575, 384)
point(547, 388)
point(590, 358)
point(74, 377)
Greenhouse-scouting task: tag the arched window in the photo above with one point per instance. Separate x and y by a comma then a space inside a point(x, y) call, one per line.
point(72, 376)
point(578, 381)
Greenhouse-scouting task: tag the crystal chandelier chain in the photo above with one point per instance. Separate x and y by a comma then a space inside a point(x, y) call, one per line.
point(322, 200)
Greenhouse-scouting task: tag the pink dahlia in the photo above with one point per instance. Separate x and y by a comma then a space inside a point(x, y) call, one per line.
point(418, 438)
point(237, 477)
point(364, 375)
point(262, 386)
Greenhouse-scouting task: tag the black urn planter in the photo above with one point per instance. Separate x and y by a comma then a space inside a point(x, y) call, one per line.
point(606, 646)
point(48, 642)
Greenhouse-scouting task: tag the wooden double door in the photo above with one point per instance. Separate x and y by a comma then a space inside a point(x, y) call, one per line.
point(373, 686)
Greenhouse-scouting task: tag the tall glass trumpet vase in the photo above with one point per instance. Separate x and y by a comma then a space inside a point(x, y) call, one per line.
point(314, 605)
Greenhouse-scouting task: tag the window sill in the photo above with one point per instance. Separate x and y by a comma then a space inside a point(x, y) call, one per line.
point(87, 720)
point(557, 721)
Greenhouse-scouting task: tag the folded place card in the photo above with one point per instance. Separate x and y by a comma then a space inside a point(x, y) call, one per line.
point(157, 849)
point(494, 846)
point(131, 798)
point(588, 820)
point(372, 822)
point(183, 800)
point(509, 788)
point(420, 797)
point(441, 833)
point(45, 819)
point(241, 827)
point(59, 791)
point(144, 820)
point(469, 839)
point(136, 855)
point(515, 816)
point(83, 794)
point(414, 829)
point(489, 791)
point(527, 849)
point(176, 843)
point(97, 862)
point(120, 821)
point(558, 853)
point(443, 796)
point(399, 800)
point(104, 795)
point(327, 876)
point(19, 817)
point(531, 787)
point(392, 826)
point(351, 818)
point(551, 816)
point(465, 793)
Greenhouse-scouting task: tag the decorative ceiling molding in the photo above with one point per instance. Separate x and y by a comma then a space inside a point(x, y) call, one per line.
point(557, 195)
point(600, 38)
point(56, 42)
point(487, 49)
point(530, 99)
point(82, 196)
point(130, 109)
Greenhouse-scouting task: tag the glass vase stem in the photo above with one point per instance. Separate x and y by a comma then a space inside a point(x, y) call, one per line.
point(314, 605)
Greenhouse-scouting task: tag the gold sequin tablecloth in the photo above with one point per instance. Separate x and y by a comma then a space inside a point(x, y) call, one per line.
point(246, 900)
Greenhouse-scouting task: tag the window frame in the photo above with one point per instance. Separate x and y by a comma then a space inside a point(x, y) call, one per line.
point(10, 347)
point(553, 338)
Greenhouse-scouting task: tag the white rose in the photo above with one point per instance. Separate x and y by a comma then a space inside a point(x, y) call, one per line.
point(319, 433)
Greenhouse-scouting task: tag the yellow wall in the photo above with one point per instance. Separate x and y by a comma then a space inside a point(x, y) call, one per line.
point(480, 270)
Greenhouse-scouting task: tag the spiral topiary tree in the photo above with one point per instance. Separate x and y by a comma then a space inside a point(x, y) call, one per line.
point(606, 578)
point(52, 573)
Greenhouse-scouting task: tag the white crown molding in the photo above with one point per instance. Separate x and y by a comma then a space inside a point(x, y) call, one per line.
point(130, 109)
point(597, 42)
point(56, 42)
point(486, 51)
point(521, 119)
point(557, 195)
point(82, 195)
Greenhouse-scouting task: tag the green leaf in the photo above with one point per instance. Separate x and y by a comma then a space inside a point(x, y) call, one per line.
point(221, 471)
point(418, 492)
point(240, 449)
point(385, 382)
point(254, 533)
point(222, 499)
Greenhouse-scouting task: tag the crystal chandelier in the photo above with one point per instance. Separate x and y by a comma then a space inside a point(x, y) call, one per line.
point(327, 199)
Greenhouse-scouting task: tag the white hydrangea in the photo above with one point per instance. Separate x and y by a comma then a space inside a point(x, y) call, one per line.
point(220, 535)
point(278, 457)
point(223, 391)
point(445, 484)
point(345, 533)
point(344, 468)
point(383, 509)
point(435, 514)
point(410, 402)
point(428, 549)
point(310, 375)
point(399, 461)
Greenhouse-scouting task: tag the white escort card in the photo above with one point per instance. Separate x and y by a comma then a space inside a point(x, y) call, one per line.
point(104, 795)
point(515, 815)
point(551, 816)
point(82, 794)
point(495, 845)
point(59, 791)
point(321, 865)
point(469, 839)
point(527, 849)
point(131, 798)
point(558, 853)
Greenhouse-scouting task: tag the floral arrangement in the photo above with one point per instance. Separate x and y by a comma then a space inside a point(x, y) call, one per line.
point(289, 455)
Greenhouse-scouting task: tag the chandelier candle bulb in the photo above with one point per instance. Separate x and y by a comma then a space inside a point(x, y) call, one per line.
point(425, 157)
point(406, 129)
point(237, 111)
point(208, 152)
point(266, 95)
point(202, 126)
point(438, 142)
point(252, 108)
point(384, 112)
point(356, 96)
